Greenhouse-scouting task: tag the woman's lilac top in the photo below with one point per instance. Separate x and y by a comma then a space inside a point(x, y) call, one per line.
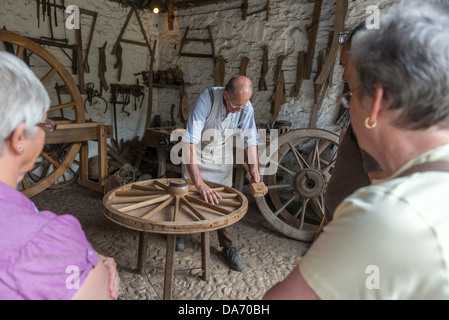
point(42, 255)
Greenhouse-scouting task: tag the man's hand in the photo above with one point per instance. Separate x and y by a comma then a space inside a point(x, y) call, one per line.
point(207, 193)
point(253, 175)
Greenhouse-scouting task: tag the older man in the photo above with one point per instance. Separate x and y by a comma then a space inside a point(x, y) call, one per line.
point(219, 114)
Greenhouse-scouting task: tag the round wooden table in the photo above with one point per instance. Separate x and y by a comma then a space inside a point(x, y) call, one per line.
point(173, 207)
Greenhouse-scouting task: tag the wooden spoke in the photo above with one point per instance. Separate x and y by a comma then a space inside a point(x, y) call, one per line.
point(176, 210)
point(228, 195)
point(330, 164)
point(135, 193)
point(230, 202)
point(207, 204)
point(316, 155)
point(50, 159)
point(119, 200)
point(49, 74)
point(298, 156)
point(158, 208)
point(302, 213)
point(20, 50)
point(193, 209)
point(161, 185)
point(144, 203)
point(226, 198)
point(286, 170)
point(279, 186)
point(295, 196)
point(25, 183)
point(152, 189)
point(62, 106)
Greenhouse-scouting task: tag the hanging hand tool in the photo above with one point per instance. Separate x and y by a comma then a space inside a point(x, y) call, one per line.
point(89, 43)
point(44, 9)
point(102, 69)
point(262, 83)
point(38, 4)
point(119, 64)
point(91, 94)
point(55, 10)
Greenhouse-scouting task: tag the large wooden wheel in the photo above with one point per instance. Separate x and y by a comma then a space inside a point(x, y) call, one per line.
point(172, 206)
point(294, 204)
point(51, 168)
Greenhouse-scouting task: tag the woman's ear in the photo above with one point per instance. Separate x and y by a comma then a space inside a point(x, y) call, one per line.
point(17, 139)
point(377, 102)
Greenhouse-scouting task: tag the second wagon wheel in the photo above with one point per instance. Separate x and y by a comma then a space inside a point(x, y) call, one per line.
point(51, 167)
point(294, 204)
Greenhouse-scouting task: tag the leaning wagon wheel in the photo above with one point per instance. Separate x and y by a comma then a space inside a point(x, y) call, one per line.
point(294, 204)
point(172, 206)
point(49, 168)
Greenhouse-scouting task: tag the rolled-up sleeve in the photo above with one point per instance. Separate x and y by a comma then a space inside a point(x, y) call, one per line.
point(247, 126)
point(197, 118)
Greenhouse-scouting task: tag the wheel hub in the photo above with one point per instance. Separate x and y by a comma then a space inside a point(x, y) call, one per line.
point(309, 183)
point(178, 188)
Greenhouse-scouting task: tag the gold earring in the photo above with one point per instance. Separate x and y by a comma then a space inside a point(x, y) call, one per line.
point(368, 125)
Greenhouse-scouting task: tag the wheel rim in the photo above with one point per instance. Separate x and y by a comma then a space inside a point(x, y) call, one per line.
point(49, 170)
point(294, 204)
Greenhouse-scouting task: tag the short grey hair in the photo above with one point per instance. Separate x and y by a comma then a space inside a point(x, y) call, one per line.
point(23, 98)
point(409, 57)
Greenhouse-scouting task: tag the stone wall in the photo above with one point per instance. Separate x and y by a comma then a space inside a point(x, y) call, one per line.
point(284, 33)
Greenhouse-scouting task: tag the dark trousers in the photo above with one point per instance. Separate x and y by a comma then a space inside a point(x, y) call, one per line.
point(226, 237)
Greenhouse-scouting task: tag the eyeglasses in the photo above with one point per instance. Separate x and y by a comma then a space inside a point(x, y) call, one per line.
point(237, 106)
point(343, 99)
point(48, 125)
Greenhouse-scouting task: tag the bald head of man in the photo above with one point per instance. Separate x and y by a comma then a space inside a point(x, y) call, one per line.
point(237, 93)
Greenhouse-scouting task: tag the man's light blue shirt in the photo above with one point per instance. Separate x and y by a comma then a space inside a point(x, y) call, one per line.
point(245, 124)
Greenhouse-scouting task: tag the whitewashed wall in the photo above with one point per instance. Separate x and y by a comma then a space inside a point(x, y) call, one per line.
point(284, 34)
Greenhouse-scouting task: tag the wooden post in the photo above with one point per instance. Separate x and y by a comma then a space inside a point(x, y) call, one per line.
point(205, 255)
point(84, 161)
point(142, 251)
point(169, 266)
point(102, 155)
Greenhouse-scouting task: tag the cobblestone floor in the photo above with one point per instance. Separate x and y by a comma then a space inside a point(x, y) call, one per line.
point(269, 256)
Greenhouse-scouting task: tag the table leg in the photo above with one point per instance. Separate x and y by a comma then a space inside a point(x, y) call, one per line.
point(205, 255)
point(142, 252)
point(169, 266)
